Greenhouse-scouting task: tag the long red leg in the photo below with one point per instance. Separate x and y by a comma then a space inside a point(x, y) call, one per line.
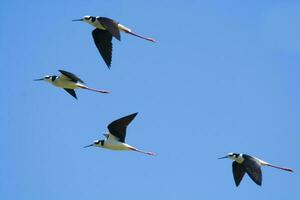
point(140, 151)
point(140, 36)
point(95, 90)
point(282, 168)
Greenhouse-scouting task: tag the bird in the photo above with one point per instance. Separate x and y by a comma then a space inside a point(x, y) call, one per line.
point(115, 137)
point(252, 166)
point(69, 82)
point(105, 29)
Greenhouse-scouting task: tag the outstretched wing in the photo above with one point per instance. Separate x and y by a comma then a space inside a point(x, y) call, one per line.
point(71, 92)
point(238, 172)
point(118, 127)
point(253, 169)
point(102, 39)
point(111, 26)
point(70, 76)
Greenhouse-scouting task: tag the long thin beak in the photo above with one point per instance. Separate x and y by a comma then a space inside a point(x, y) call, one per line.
point(40, 79)
point(88, 145)
point(223, 157)
point(76, 20)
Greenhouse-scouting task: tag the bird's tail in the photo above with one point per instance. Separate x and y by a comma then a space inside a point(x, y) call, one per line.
point(93, 89)
point(144, 152)
point(282, 168)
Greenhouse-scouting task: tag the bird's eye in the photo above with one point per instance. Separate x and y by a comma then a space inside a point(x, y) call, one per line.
point(87, 17)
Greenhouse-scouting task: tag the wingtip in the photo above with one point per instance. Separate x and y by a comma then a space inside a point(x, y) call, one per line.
point(135, 114)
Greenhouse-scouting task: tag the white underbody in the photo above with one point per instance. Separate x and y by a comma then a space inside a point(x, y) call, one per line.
point(263, 163)
point(63, 82)
point(115, 145)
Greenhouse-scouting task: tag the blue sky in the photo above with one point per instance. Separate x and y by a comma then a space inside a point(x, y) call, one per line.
point(223, 77)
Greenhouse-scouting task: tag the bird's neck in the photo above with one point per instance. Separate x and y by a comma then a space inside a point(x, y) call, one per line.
point(52, 79)
point(101, 143)
point(239, 158)
point(96, 24)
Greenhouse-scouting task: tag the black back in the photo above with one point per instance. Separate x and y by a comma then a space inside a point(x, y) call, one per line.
point(72, 76)
point(71, 92)
point(102, 39)
point(118, 127)
point(238, 171)
point(111, 26)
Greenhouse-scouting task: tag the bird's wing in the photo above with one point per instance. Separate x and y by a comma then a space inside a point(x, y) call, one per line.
point(238, 172)
point(253, 169)
point(102, 39)
point(71, 92)
point(118, 127)
point(69, 76)
point(111, 26)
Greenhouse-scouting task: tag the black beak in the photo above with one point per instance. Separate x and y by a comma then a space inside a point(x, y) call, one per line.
point(223, 157)
point(90, 145)
point(40, 79)
point(76, 20)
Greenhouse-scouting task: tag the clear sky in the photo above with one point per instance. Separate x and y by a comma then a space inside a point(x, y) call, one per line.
point(223, 77)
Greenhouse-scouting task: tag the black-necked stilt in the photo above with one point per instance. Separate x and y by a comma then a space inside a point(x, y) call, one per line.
point(115, 138)
point(105, 29)
point(69, 82)
point(244, 163)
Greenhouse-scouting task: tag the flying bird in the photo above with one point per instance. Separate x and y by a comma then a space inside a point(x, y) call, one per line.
point(69, 82)
point(252, 166)
point(107, 28)
point(115, 137)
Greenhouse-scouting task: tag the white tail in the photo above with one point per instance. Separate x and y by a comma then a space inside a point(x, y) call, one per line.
point(282, 168)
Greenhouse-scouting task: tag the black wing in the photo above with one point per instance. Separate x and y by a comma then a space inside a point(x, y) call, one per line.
point(118, 127)
point(71, 92)
point(102, 39)
point(238, 171)
point(253, 169)
point(71, 76)
point(111, 26)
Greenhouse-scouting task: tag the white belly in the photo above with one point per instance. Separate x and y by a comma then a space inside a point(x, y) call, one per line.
point(65, 84)
point(116, 145)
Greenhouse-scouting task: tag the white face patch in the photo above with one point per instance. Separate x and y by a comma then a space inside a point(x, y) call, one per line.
point(230, 154)
point(96, 141)
point(86, 18)
point(236, 157)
